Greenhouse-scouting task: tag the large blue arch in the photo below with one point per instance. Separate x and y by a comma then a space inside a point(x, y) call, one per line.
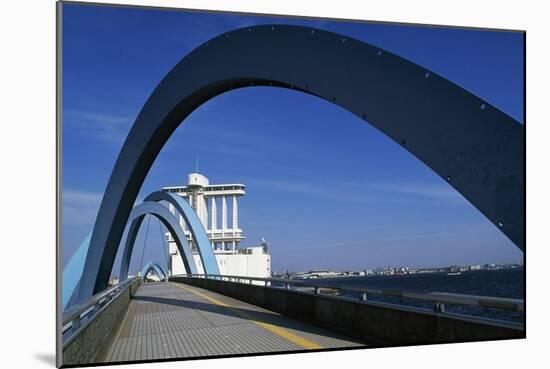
point(72, 272)
point(170, 222)
point(153, 265)
point(195, 227)
point(474, 146)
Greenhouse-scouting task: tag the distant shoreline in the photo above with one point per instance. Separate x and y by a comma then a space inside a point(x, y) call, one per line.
point(397, 271)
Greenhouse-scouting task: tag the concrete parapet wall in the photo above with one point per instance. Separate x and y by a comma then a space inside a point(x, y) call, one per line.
point(85, 346)
point(371, 322)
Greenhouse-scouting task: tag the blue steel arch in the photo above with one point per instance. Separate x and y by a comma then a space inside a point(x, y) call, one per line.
point(73, 271)
point(153, 265)
point(195, 227)
point(170, 222)
point(475, 147)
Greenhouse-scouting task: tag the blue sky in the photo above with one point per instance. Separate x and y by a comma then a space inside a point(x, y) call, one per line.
point(324, 189)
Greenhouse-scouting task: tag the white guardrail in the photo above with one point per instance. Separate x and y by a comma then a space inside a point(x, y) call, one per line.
point(439, 299)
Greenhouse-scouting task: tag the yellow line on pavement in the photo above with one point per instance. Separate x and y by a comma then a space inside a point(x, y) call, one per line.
point(281, 332)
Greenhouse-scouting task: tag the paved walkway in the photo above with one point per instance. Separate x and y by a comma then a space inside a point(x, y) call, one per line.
point(174, 320)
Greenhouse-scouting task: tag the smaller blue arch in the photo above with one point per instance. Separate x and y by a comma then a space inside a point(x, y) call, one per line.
point(170, 222)
point(72, 272)
point(195, 225)
point(153, 265)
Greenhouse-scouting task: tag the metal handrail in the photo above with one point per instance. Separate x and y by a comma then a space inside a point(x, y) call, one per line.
point(439, 299)
point(72, 317)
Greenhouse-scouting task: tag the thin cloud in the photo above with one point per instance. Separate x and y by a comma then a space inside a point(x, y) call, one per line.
point(108, 128)
point(378, 192)
point(297, 187)
point(436, 192)
point(80, 197)
point(79, 208)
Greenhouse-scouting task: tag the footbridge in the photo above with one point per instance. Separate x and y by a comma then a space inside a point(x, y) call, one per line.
point(212, 315)
point(473, 146)
point(190, 316)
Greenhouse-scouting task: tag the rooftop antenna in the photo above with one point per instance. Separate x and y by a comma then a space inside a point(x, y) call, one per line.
point(197, 165)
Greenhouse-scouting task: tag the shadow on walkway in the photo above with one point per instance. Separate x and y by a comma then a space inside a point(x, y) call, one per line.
point(273, 318)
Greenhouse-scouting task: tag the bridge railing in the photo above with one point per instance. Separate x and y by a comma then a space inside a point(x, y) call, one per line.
point(438, 299)
point(75, 316)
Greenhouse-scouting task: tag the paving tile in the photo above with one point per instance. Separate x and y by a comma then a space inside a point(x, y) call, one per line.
point(167, 321)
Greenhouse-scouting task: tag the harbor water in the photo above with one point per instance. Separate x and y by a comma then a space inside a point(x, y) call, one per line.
point(506, 283)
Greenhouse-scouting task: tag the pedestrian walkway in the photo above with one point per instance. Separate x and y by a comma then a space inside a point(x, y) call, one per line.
point(174, 320)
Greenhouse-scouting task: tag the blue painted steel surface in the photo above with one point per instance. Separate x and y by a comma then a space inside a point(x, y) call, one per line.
point(195, 226)
point(472, 145)
point(169, 221)
point(153, 265)
point(72, 272)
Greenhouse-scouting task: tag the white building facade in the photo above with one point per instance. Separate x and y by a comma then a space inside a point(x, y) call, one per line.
point(214, 204)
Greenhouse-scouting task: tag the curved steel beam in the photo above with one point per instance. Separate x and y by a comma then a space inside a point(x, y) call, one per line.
point(170, 222)
point(195, 226)
point(153, 265)
point(474, 146)
point(72, 273)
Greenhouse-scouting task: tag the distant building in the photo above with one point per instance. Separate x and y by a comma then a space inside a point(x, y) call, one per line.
point(317, 274)
point(223, 232)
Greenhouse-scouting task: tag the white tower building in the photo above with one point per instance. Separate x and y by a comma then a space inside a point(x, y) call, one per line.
point(223, 231)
